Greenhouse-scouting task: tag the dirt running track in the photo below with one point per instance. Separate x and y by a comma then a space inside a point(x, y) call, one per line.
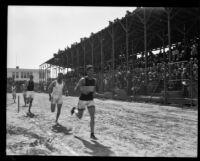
point(123, 129)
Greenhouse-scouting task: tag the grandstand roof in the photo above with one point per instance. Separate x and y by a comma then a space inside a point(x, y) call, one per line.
point(182, 19)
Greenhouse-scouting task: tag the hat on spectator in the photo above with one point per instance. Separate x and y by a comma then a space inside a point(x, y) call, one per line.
point(89, 67)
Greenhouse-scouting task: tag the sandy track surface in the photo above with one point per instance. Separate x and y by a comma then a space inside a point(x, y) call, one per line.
point(122, 129)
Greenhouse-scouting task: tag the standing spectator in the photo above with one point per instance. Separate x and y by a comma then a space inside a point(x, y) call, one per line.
point(185, 82)
point(30, 94)
point(13, 88)
point(24, 92)
point(129, 83)
point(178, 77)
point(193, 52)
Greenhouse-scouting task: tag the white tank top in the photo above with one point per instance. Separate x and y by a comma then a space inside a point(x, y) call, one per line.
point(57, 90)
point(13, 88)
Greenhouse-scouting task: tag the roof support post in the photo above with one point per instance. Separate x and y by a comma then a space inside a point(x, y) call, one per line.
point(41, 70)
point(71, 54)
point(39, 73)
point(45, 71)
point(113, 51)
point(169, 38)
point(56, 71)
point(77, 56)
point(133, 49)
point(102, 61)
point(184, 38)
point(67, 62)
point(145, 44)
point(113, 48)
point(127, 51)
point(125, 28)
point(84, 58)
point(92, 48)
point(50, 74)
point(165, 66)
point(83, 47)
point(169, 34)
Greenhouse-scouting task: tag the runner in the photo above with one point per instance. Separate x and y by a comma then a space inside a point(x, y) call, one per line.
point(87, 86)
point(56, 89)
point(24, 92)
point(14, 91)
point(30, 94)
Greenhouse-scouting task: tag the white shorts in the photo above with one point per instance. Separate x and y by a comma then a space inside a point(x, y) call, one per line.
point(14, 93)
point(24, 93)
point(30, 94)
point(56, 100)
point(82, 104)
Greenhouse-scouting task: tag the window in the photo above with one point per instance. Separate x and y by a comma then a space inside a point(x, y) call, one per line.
point(22, 74)
point(17, 74)
point(13, 74)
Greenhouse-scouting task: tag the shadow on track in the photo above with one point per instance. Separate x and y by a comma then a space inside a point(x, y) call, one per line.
point(61, 129)
point(10, 103)
point(97, 148)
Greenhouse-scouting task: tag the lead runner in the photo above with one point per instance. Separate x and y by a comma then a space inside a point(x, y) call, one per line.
point(88, 87)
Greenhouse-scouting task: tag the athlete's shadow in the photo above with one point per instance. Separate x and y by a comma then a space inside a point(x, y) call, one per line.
point(61, 129)
point(96, 148)
point(11, 103)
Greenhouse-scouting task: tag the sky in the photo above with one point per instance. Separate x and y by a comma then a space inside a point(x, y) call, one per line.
point(35, 33)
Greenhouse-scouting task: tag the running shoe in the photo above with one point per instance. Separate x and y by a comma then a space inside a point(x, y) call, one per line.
point(72, 110)
point(92, 136)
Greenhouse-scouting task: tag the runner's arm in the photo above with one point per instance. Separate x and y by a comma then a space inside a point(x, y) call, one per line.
point(50, 88)
point(65, 90)
point(96, 92)
point(79, 84)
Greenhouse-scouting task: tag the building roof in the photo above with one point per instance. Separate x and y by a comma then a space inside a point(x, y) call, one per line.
point(23, 69)
point(182, 19)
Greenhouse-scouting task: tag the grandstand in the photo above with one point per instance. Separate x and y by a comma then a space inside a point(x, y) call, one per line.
point(125, 64)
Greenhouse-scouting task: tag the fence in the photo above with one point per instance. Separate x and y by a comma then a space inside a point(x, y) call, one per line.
point(175, 82)
point(181, 83)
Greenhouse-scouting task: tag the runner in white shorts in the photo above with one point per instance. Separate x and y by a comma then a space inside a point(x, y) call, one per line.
point(30, 93)
point(13, 91)
point(87, 86)
point(24, 92)
point(56, 89)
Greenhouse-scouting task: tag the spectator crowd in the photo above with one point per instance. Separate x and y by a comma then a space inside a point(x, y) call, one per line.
point(179, 72)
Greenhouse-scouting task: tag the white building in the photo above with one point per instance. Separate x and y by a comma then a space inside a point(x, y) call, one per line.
point(20, 74)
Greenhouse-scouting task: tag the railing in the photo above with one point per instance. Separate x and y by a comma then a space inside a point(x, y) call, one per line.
point(181, 88)
point(164, 85)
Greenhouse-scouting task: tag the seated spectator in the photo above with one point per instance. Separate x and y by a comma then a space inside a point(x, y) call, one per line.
point(194, 52)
